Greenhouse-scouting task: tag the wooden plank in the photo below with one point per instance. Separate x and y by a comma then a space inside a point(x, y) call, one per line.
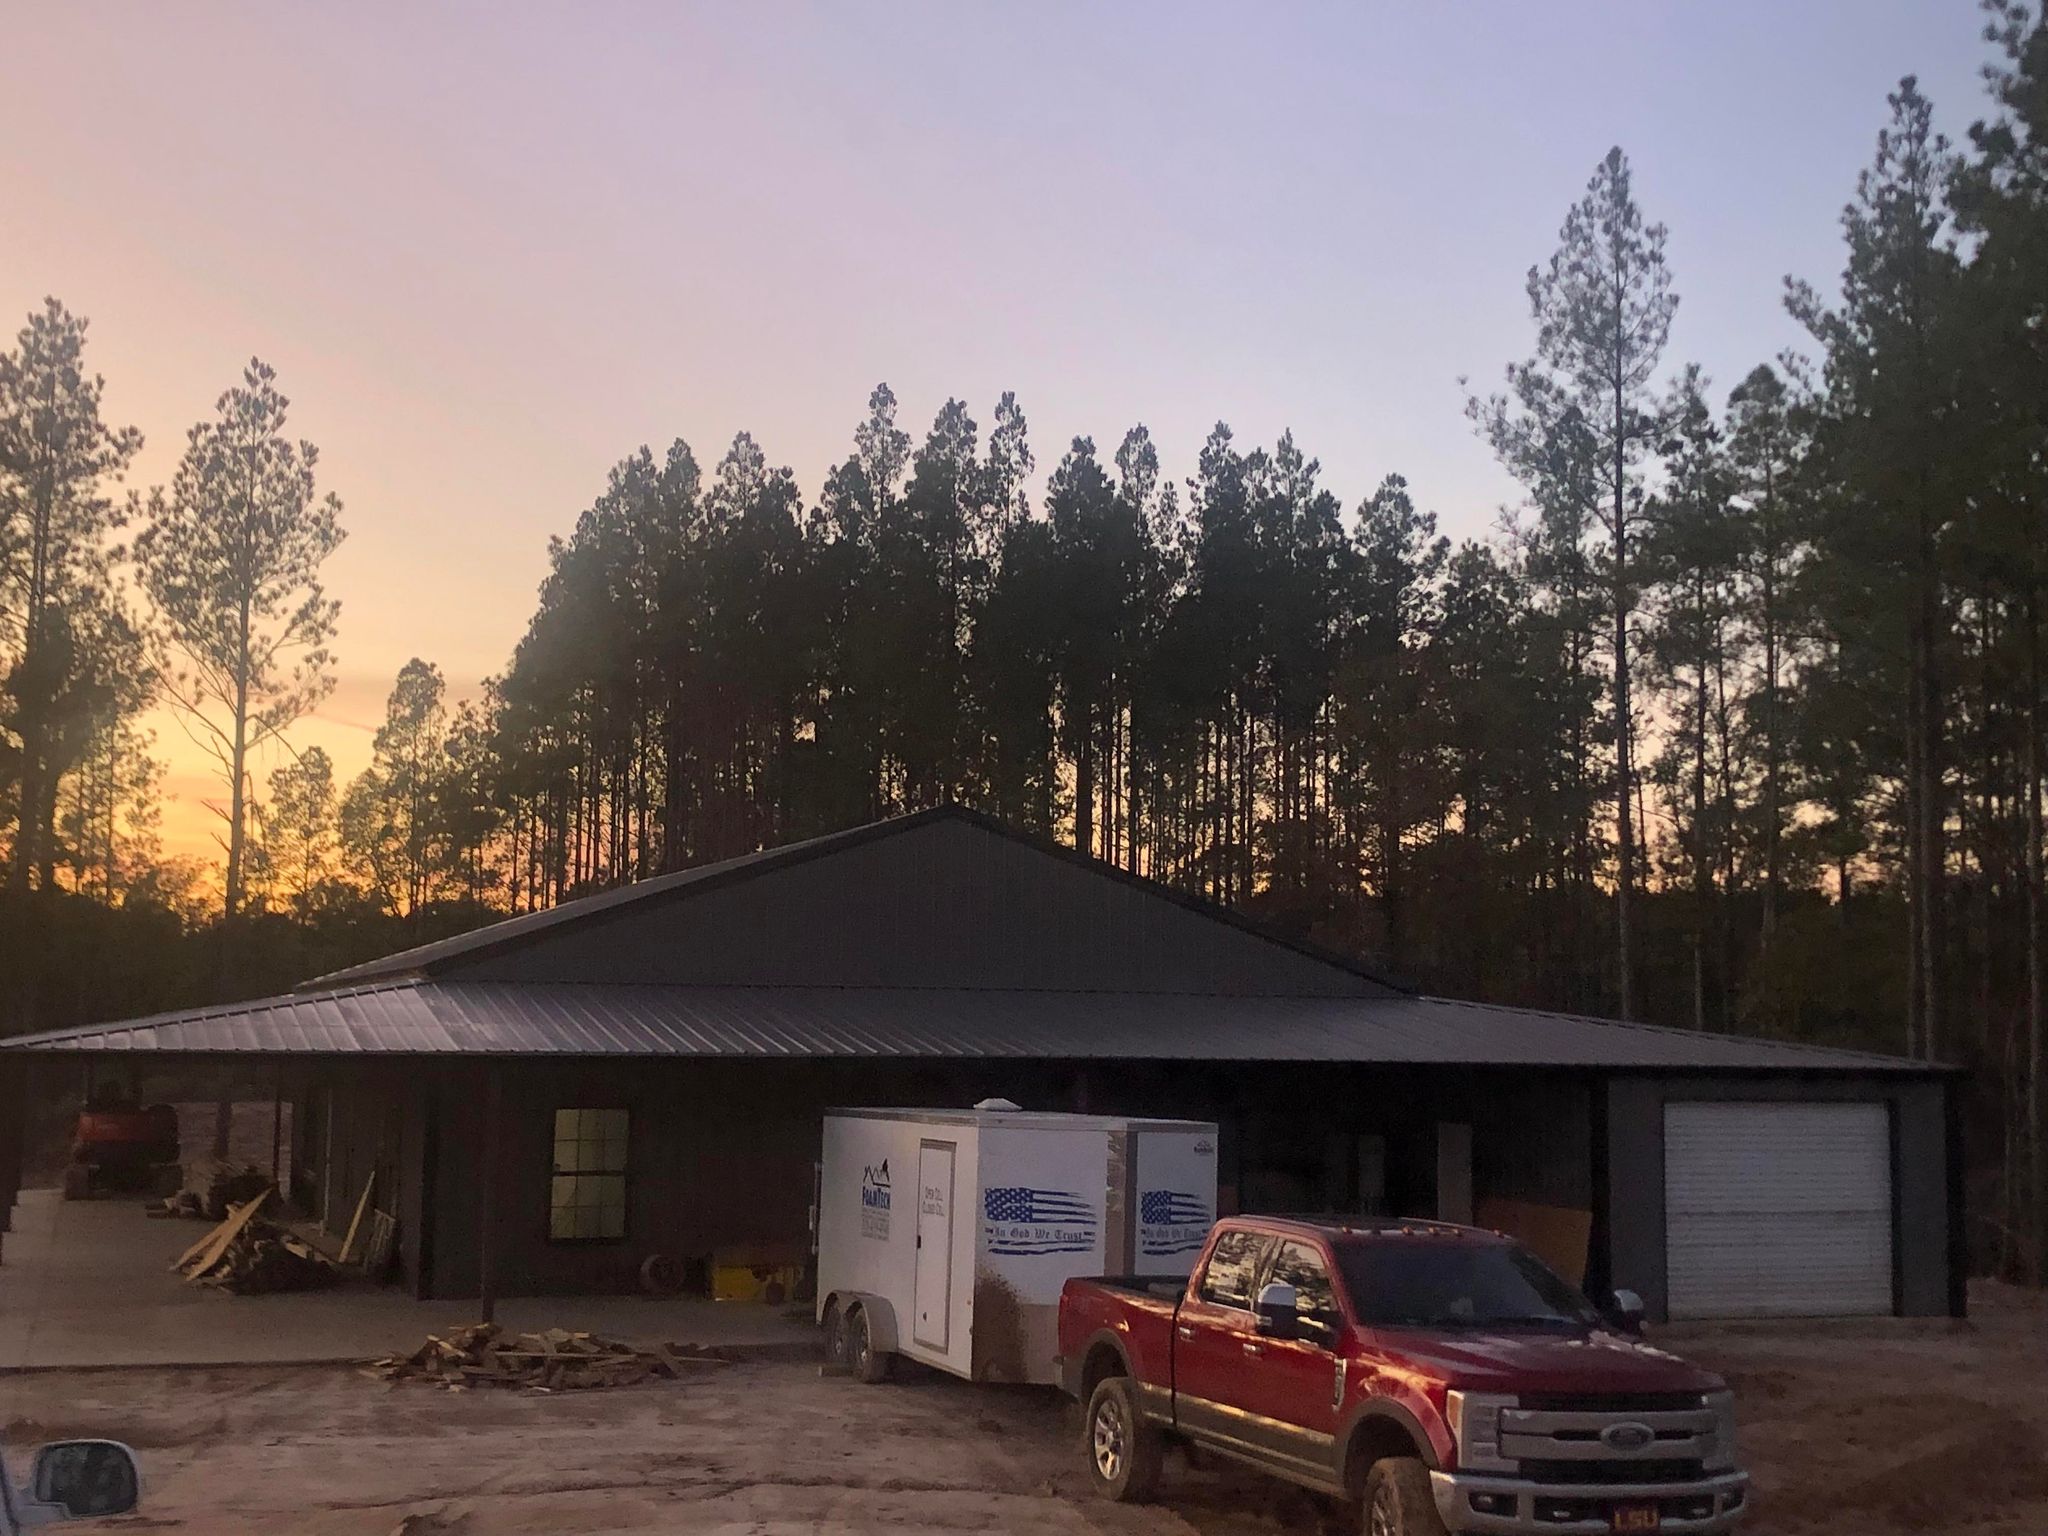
point(216, 1244)
point(348, 1244)
point(1558, 1235)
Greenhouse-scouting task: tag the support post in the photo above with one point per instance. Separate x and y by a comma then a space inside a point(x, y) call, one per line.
point(277, 1131)
point(487, 1197)
point(13, 1135)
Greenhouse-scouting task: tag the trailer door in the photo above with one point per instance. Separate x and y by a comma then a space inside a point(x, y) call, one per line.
point(932, 1295)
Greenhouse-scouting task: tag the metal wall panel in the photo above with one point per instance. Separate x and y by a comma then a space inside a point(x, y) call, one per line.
point(1778, 1209)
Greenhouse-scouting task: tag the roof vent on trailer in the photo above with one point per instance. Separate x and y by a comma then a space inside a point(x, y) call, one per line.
point(1000, 1105)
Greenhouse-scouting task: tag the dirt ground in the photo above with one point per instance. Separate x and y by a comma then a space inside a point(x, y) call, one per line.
point(1870, 1430)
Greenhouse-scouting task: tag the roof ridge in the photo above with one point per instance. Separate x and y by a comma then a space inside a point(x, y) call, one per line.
point(515, 930)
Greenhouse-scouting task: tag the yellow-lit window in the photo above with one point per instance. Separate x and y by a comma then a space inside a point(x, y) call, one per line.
point(587, 1196)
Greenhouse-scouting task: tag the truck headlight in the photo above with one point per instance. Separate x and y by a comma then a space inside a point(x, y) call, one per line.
point(1474, 1418)
point(1720, 1452)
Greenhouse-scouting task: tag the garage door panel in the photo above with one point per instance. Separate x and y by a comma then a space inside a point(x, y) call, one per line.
point(1778, 1209)
point(1793, 1266)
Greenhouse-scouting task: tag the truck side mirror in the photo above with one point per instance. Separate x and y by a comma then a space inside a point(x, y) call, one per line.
point(86, 1479)
point(1277, 1310)
point(1625, 1309)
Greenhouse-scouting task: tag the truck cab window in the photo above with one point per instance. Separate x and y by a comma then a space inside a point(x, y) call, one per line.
point(1233, 1262)
point(1300, 1266)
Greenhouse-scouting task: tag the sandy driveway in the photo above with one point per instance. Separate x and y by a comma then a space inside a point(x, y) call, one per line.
point(1866, 1430)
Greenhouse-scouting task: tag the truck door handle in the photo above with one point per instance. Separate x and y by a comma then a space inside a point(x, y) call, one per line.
point(1254, 1349)
point(1185, 1331)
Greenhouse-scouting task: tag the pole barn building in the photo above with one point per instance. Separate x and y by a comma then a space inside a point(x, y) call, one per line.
point(561, 1096)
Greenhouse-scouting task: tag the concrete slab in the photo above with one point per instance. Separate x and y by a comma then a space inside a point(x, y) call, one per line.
point(88, 1283)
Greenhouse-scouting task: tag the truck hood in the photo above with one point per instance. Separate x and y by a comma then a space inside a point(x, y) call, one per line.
point(1597, 1360)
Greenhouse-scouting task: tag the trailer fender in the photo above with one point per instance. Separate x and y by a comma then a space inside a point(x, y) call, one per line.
point(880, 1315)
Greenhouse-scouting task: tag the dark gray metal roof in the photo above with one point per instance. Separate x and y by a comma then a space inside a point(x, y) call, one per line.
point(420, 1017)
point(502, 943)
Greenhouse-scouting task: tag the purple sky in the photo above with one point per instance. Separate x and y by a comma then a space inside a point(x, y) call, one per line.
point(492, 249)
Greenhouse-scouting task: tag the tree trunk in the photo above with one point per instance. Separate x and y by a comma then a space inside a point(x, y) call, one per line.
point(1702, 873)
point(1773, 803)
point(1624, 785)
point(2037, 1159)
point(1931, 839)
point(1084, 784)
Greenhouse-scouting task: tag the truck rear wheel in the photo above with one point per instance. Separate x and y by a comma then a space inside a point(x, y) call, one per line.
point(1123, 1450)
point(1398, 1501)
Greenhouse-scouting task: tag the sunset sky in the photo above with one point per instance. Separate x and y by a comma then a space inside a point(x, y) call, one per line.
point(490, 250)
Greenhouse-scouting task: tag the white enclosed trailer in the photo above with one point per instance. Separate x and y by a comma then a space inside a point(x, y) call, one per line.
point(946, 1235)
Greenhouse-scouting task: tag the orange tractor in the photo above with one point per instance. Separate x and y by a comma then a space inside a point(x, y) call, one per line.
point(119, 1144)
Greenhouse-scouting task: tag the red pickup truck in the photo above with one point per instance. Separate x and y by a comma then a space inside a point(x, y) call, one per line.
point(1440, 1377)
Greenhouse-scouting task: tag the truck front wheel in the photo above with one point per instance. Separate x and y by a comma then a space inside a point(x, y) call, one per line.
point(1398, 1501)
point(1124, 1451)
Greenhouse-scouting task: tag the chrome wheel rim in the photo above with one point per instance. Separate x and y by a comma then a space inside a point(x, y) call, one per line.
point(859, 1350)
point(1385, 1522)
point(1109, 1440)
point(835, 1337)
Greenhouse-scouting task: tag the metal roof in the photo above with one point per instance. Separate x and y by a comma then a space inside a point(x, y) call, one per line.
point(516, 932)
point(421, 1017)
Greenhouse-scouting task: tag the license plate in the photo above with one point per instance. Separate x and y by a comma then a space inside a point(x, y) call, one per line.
point(1634, 1518)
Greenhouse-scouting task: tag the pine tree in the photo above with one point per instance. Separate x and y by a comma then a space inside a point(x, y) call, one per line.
point(56, 588)
point(231, 560)
point(1582, 416)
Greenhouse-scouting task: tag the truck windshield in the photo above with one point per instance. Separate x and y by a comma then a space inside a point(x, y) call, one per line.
point(1429, 1282)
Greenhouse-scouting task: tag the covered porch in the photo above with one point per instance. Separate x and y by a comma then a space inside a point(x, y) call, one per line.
point(88, 1283)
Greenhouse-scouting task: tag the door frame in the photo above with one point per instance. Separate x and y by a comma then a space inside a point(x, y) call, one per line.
point(943, 1343)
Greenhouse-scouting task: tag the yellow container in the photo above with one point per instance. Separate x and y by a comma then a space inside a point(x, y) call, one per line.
point(773, 1283)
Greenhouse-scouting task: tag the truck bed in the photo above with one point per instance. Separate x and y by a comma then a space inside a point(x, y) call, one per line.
point(1165, 1287)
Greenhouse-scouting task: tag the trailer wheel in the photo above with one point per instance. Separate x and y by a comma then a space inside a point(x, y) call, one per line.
point(1123, 1451)
point(867, 1362)
point(836, 1343)
point(1398, 1501)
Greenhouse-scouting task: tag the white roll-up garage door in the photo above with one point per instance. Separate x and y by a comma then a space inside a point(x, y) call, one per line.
point(1778, 1210)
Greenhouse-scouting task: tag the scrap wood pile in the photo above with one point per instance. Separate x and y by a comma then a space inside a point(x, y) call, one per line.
point(210, 1191)
point(557, 1360)
point(216, 1188)
point(249, 1256)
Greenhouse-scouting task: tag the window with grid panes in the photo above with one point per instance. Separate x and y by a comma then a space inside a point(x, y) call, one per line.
point(587, 1196)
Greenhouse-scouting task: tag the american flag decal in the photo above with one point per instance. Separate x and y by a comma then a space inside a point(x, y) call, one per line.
point(1169, 1207)
point(1035, 1221)
point(1170, 1221)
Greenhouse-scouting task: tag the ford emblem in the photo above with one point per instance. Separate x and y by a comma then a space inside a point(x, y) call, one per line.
point(1627, 1437)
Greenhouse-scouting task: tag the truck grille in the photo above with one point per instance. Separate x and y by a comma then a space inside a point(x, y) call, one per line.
point(1635, 1439)
point(1612, 1402)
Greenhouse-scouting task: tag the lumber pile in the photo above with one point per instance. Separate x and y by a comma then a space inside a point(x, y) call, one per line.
point(556, 1360)
point(249, 1256)
point(218, 1187)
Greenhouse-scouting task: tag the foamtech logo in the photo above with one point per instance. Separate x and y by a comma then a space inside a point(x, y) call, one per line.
point(874, 1200)
point(1038, 1221)
point(874, 1186)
